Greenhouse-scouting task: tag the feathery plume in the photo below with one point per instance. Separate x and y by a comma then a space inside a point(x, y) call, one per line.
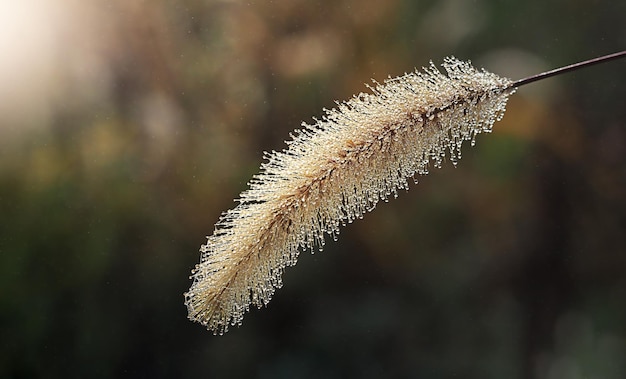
point(333, 172)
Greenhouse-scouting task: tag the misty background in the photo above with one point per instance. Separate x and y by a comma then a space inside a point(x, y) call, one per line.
point(127, 127)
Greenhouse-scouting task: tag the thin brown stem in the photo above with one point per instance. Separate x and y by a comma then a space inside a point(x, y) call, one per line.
point(571, 67)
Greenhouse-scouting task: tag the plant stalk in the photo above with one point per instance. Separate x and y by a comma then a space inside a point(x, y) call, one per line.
point(571, 67)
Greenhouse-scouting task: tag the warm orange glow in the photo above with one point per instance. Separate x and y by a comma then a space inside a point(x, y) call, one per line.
point(39, 51)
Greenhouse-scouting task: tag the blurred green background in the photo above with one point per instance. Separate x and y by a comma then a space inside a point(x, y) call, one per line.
point(127, 127)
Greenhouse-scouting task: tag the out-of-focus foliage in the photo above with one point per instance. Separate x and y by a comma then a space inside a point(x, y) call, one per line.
point(126, 127)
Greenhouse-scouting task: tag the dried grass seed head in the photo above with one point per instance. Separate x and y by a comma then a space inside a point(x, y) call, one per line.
point(334, 171)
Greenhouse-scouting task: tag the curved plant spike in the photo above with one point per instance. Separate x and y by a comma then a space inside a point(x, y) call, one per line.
point(337, 169)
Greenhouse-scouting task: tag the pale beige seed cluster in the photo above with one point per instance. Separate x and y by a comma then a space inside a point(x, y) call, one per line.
point(333, 172)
